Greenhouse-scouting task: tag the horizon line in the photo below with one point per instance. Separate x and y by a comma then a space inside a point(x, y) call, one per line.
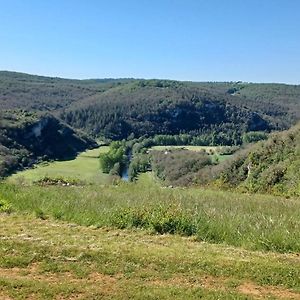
point(150, 78)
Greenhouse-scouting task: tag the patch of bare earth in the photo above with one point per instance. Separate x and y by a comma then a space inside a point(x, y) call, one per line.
point(102, 283)
point(219, 283)
point(3, 296)
point(260, 292)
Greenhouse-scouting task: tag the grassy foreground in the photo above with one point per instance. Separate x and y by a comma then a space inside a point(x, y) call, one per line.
point(84, 167)
point(254, 222)
point(47, 259)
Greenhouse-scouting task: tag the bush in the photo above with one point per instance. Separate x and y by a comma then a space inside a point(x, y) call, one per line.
point(170, 219)
point(39, 213)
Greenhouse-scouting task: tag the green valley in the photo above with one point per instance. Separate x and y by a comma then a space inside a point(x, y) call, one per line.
point(148, 189)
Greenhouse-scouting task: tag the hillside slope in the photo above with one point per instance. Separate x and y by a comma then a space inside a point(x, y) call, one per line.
point(119, 108)
point(27, 137)
point(155, 107)
point(270, 166)
point(41, 93)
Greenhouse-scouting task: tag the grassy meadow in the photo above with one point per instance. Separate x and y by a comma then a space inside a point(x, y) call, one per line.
point(254, 222)
point(211, 150)
point(85, 167)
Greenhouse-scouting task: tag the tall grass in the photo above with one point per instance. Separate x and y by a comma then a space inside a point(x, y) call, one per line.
point(253, 222)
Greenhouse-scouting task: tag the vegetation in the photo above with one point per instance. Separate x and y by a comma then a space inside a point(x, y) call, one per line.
point(84, 168)
point(115, 159)
point(27, 138)
point(269, 166)
point(140, 163)
point(160, 112)
point(40, 93)
point(253, 222)
point(47, 259)
point(215, 113)
point(122, 111)
point(252, 137)
point(176, 167)
point(184, 228)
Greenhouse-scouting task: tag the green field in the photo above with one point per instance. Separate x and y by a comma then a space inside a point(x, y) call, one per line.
point(208, 149)
point(84, 167)
point(211, 150)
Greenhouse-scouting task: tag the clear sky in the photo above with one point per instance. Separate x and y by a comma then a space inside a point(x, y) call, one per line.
point(212, 40)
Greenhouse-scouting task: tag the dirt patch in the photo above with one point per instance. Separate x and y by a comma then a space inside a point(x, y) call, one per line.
point(220, 284)
point(3, 296)
point(260, 292)
point(105, 284)
point(208, 282)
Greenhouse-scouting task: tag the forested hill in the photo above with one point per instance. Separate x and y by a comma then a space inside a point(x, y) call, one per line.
point(168, 107)
point(118, 108)
point(40, 93)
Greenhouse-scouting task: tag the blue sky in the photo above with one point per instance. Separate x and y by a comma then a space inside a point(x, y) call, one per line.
point(213, 40)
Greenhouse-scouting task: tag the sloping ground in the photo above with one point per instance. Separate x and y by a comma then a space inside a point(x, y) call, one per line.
point(164, 107)
point(270, 166)
point(26, 138)
point(254, 222)
point(41, 93)
point(46, 259)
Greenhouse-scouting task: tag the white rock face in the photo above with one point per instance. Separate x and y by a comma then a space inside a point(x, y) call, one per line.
point(37, 129)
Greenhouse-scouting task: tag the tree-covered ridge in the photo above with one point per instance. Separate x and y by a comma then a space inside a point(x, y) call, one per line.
point(40, 93)
point(118, 108)
point(148, 109)
point(26, 138)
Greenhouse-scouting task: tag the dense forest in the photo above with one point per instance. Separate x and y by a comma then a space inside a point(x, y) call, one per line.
point(146, 109)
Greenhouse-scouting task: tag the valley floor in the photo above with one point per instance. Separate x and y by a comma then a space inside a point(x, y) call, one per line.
point(48, 259)
point(85, 167)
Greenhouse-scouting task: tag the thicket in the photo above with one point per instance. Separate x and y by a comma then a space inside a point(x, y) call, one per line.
point(177, 167)
point(253, 137)
point(140, 163)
